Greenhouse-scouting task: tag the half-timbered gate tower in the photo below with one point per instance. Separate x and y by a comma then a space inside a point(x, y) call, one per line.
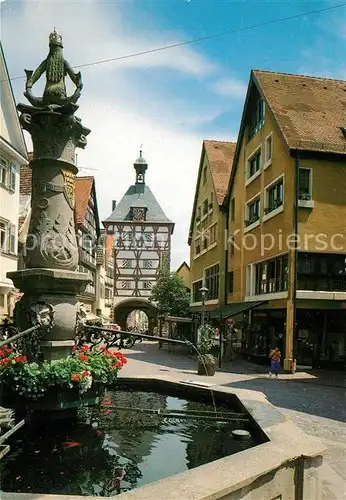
point(142, 246)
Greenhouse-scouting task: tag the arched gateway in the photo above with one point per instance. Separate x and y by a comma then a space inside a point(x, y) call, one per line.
point(124, 308)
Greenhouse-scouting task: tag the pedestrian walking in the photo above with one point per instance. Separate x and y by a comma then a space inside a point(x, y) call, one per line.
point(275, 359)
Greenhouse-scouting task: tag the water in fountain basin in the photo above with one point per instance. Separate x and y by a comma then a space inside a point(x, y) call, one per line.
point(110, 451)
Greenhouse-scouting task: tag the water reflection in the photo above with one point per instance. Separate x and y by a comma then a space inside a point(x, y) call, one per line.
point(109, 452)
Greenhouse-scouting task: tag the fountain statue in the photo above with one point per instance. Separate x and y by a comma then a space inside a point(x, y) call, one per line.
point(51, 255)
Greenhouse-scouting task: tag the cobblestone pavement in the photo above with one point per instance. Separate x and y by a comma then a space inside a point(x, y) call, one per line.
point(316, 404)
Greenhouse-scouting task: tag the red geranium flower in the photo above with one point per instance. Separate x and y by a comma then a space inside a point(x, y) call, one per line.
point(75, 377)
point(20, 359)
point(74, 348)
point(85, 348)
point(83, 357)
point(5, 361)
point(86, 373)
point(119, 364)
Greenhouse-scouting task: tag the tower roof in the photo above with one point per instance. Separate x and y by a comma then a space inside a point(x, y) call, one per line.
point(133, 198)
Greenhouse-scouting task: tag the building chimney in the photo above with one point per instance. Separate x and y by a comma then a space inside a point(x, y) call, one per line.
point(114, 204)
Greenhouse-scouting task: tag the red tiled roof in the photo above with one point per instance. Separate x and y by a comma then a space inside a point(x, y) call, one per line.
point(220, 157)
point(310, 111)
point(83, 187)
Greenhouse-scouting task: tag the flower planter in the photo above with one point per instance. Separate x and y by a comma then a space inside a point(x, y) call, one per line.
point(206, 368)
point(56, 398)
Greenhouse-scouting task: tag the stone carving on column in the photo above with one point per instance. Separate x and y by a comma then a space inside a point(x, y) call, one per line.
point(51, 252)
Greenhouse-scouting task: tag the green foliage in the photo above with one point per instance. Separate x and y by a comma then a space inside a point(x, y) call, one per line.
point(79, 370)
point(206, 336)
point(170, 295)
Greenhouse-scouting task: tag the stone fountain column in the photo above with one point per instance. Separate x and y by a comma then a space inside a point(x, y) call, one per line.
point(51, 254)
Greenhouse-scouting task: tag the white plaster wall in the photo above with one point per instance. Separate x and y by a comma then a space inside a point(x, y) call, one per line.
point(3, 125)
point(9, 210)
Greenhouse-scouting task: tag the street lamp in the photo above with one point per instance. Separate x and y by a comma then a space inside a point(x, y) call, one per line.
point(204, 290)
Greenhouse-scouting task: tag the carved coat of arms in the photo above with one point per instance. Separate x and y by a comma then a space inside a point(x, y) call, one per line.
point(69, 187)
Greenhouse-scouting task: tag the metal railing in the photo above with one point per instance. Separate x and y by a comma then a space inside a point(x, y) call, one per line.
point(109, 337)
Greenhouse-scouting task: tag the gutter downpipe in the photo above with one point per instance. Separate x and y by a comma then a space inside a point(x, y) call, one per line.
point(297, 166)
point(221, 343)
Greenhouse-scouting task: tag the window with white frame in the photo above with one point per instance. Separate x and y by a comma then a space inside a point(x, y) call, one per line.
point(7, 237)
point(254, 164)
point(4, 170)
point(205, 206)
point(257, 120)
point(211, 276)
point(275, 194)
point(253, 211)
point(268, 150)
point(3, 235)
point(211, 201)
point(213, 233)
point(197, 245)
point(7, 174)
point(305, 184)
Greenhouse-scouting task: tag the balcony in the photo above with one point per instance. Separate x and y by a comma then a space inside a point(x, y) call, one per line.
point(86, 258)
point(306, 201)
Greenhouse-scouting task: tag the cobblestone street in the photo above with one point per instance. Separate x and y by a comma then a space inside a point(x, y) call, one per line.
point(315, 404)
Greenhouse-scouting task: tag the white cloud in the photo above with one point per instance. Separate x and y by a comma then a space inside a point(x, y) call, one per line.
point(119, 107)
point(230, 87)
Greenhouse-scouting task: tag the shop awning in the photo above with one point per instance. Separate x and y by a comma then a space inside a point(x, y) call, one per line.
point(229, 310)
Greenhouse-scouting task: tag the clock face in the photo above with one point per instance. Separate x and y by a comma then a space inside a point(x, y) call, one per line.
point(138, 213)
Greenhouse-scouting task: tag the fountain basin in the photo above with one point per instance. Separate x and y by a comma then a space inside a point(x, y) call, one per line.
point(281, 459)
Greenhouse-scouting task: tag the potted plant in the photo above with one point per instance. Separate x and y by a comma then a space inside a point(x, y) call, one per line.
point(205, 343)
point(70, 382)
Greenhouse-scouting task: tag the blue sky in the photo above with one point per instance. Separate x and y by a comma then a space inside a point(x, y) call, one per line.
point(168, 101)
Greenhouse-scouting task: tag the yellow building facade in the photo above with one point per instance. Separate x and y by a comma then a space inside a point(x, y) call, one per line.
point(278, 251)
point(208, 225)
point(286, 204)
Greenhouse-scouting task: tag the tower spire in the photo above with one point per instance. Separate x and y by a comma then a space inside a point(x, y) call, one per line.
point(140, 167)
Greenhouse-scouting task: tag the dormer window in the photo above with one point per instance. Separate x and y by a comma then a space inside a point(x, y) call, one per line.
point(138, 213)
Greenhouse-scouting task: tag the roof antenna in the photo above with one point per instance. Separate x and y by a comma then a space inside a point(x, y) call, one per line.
point(140, 150)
